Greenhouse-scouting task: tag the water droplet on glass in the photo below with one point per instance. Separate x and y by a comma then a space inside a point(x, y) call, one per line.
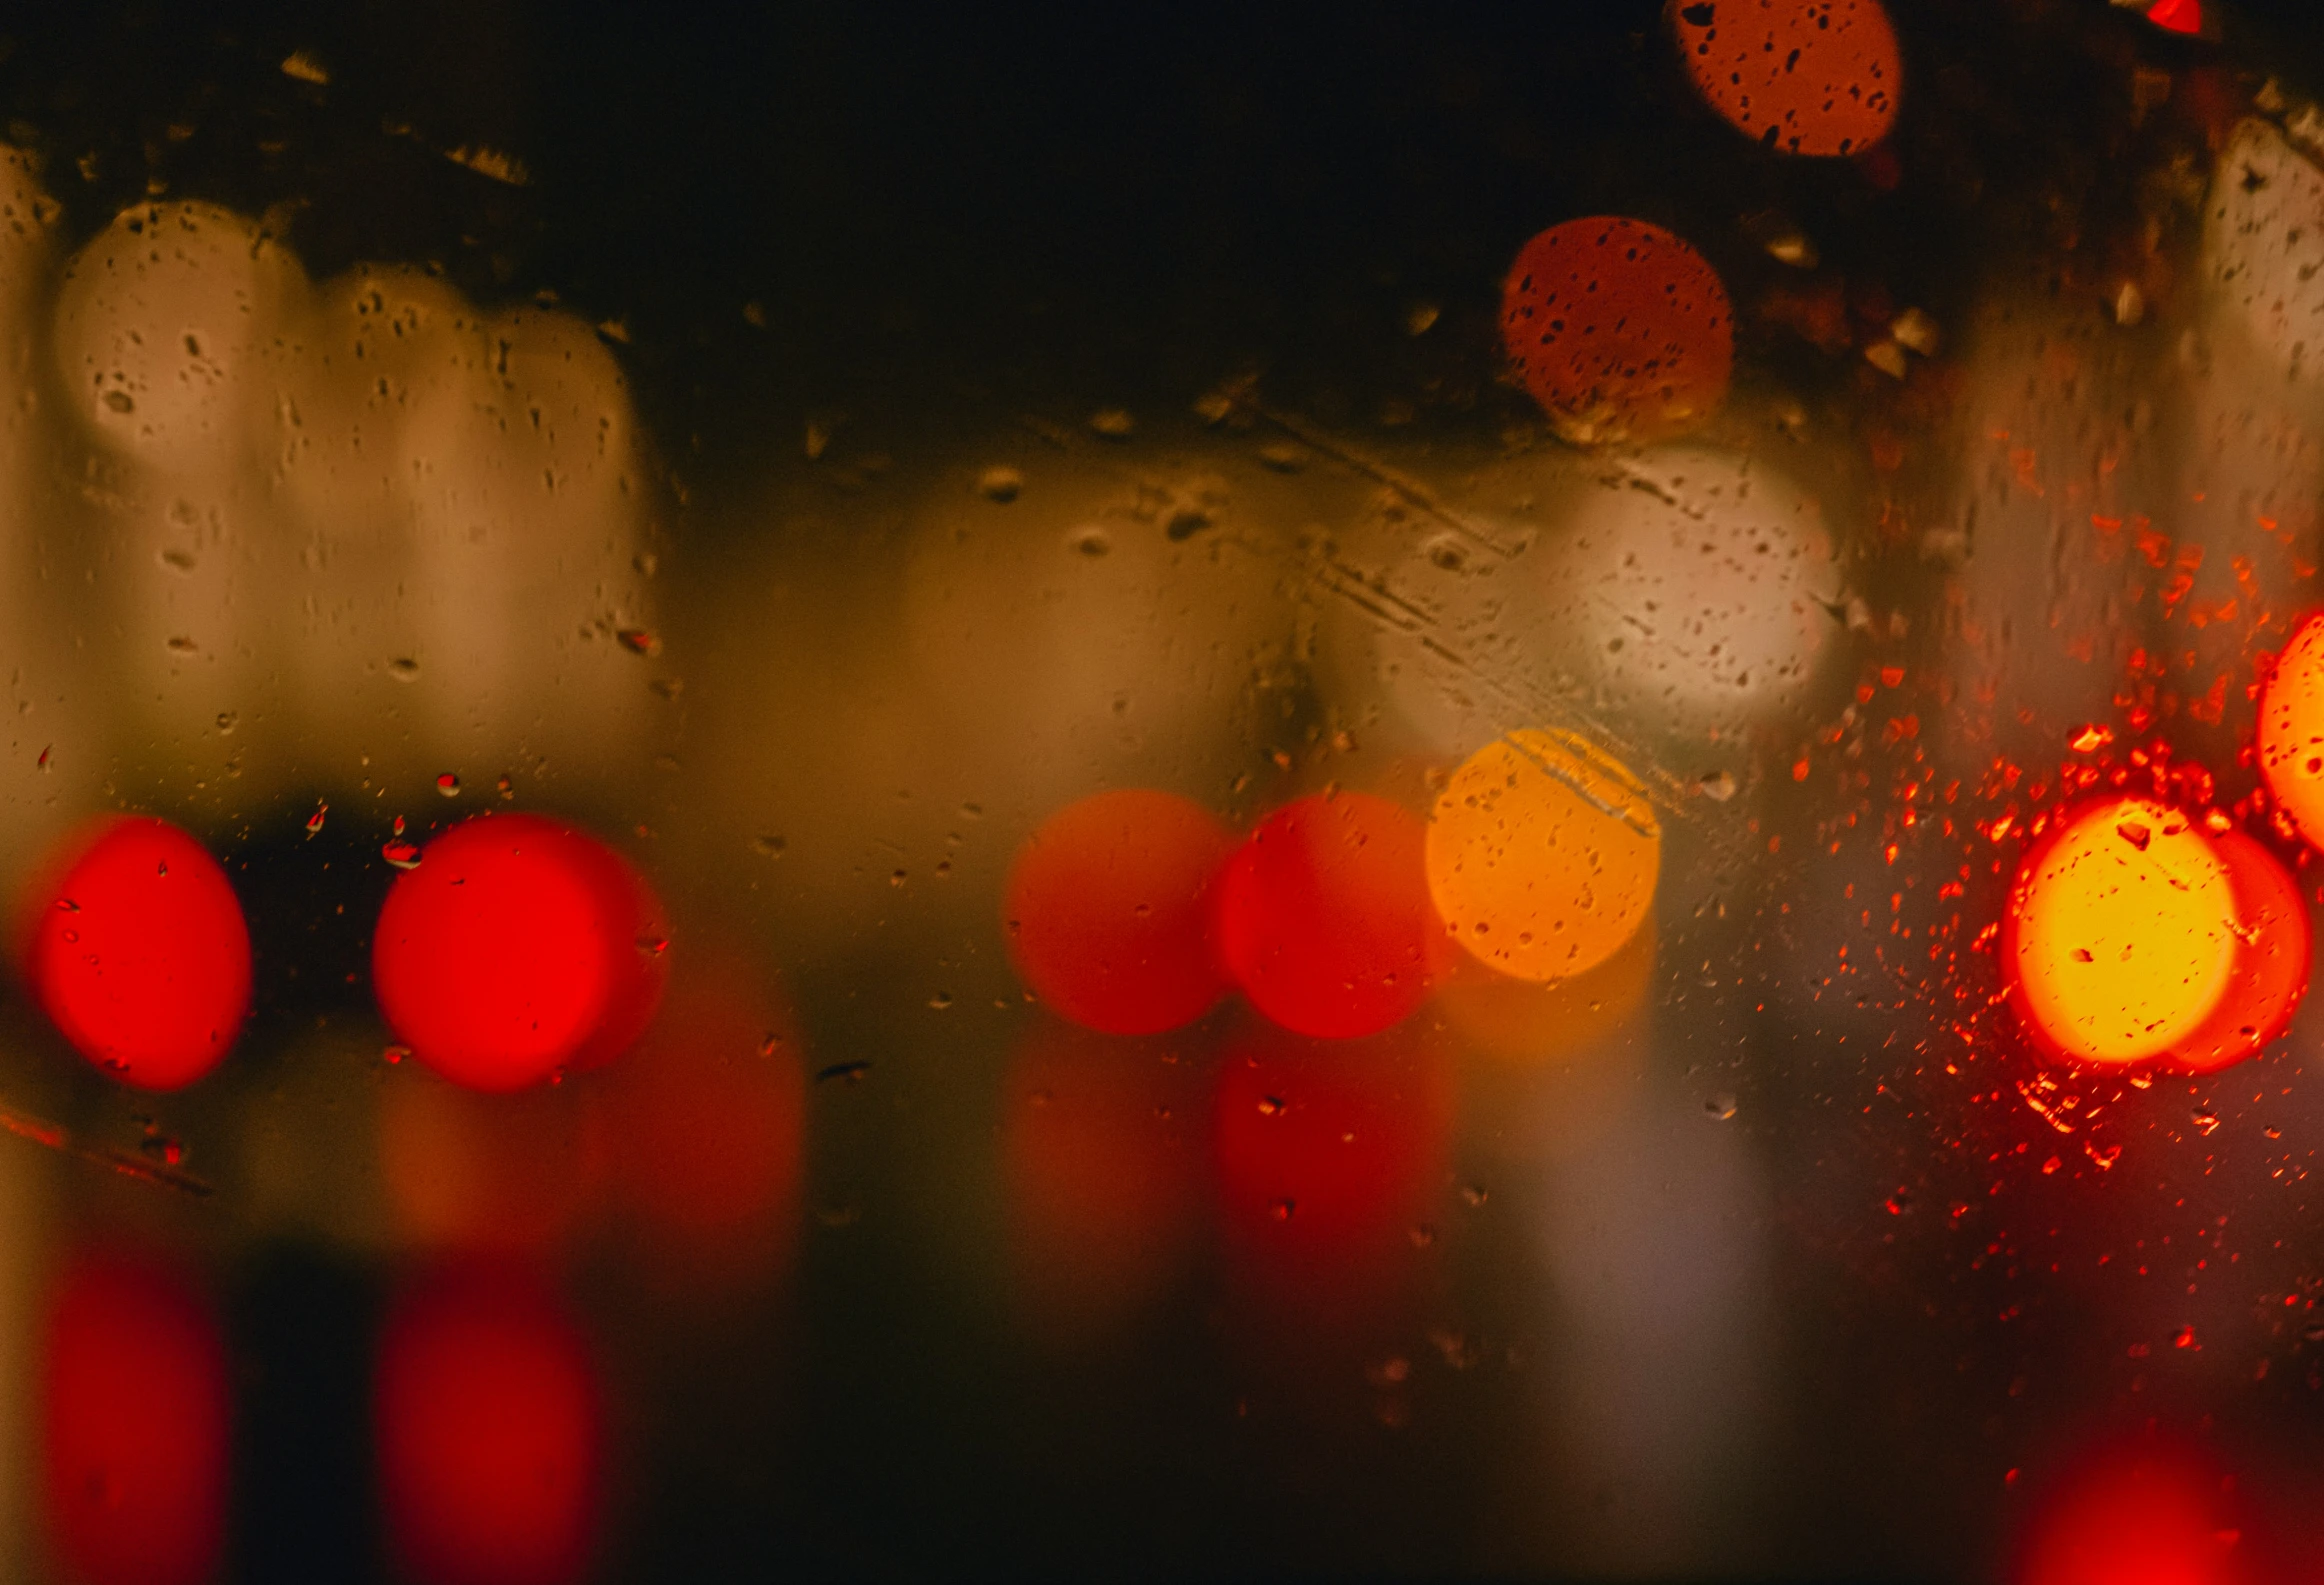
point(1000, 484)
point(448, 784)
point(404, 669)
point(403, 855)
point(1718, 786)
point(227, 721)
point(394, 1055)
point(315, 820)
point(639, 642)
point(1719, 1107)
point(2204, 1119)
point(767, 847)
point(941, 1000)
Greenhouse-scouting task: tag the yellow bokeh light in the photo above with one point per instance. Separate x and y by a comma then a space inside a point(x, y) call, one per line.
point(1542, 855)
point(2121, 932)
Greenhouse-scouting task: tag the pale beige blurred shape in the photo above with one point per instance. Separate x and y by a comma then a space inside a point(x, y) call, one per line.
point(468, 508)
point(42, 669)
point(166, 322)
point(1111, 616)
point(1675, 595)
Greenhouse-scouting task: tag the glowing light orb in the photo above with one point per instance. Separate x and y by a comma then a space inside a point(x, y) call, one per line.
point(489, 1433)
point(2291, 730)
point(1542, 855)
point(1102, 1146)
point(518, 947)
point(2272, 940)
point(1801, 76)
point(2120, 938)
point(137, 951)
point(1108, 911)
point(1324, 916)
point(1620, 330)
point(133, 1426)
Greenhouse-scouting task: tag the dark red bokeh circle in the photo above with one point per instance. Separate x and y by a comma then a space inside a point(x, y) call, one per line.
point(136, 949)
point(520, 946)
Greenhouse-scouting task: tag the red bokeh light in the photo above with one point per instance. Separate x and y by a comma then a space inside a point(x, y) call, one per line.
point(1108, 911)
point(490, 1430)
point(1621, 331)
point(519, 946)
point(1103, 1144)
point(2177, 16)
point(134, 1425)
point(1329, 1156)
point(1801, 76)
point(1324, 916)
point(135, 948)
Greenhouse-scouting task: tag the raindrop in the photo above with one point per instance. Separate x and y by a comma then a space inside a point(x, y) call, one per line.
point(404, 669)
point(1719, 1107)
point(403, 855)
point(1000, 484)
point(448, 784)
point(1718, 786)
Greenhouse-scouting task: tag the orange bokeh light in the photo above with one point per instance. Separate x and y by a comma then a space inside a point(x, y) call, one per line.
point(1108, 911)
point(1801, 76)
point(705, 1126)
point(133, 1426)
point(2133, 934)
point(2271, 960)
point(1620, 330)
point(2120, 936)
point(519, 947)
point(490, 1430)
point(2291, 730)
point(136, 949)
point(1103, 1145)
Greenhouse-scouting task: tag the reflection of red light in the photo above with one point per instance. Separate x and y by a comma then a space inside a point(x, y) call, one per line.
point(488, 1423)
point(706, 1124)
point(468, 1171)
point(2141, 1516)
point(136, 949)
point(1108, 911)
point(1102, 1140)
point(2271, 960)
point(1324, 917)
point(1620, 330)
point(518, 947)
point(133, 1426)
point(1329, 1156)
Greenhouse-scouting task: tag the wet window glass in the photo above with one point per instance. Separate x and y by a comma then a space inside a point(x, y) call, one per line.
point(1428, 792)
